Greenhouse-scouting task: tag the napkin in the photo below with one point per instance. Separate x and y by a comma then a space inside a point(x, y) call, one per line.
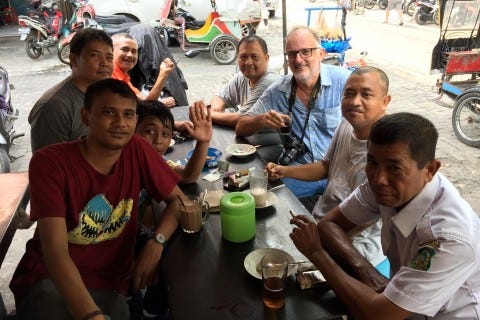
point(213, 199)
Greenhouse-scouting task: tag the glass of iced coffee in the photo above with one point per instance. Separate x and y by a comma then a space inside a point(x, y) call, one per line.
point(193, 213)
point(274, 275)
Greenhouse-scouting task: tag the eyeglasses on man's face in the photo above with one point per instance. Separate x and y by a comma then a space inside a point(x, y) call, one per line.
point(304, 53)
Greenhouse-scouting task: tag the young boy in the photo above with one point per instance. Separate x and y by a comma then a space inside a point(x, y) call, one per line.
point(155, 124)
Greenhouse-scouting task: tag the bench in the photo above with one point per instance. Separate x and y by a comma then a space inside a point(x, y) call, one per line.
point(13, 199)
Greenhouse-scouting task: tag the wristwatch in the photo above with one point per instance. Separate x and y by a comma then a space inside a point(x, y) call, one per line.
point(160, 238)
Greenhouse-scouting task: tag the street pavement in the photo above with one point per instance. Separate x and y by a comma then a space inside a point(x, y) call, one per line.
point(407, 65)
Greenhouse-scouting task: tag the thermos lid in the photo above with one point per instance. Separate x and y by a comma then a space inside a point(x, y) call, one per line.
point(237, 203)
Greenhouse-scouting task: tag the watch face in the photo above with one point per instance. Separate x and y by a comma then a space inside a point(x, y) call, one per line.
point(160, 238)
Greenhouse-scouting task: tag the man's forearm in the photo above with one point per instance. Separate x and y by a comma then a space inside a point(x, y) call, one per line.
point(307, 172)
point(157, 88)
point(339, 246)
point(69, 284)
point(225, 118)
point(248, 125)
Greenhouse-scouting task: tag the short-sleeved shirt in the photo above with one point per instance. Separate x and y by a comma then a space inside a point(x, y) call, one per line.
point(124, 77)
point(325, 114)
point(346, 158)
point(238, 94)
point(55, 117)
point(100, 211)
point(433, 245)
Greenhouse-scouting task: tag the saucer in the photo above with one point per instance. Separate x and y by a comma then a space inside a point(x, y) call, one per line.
point(240, 150)
point(253, 259)
point(212, 156)
point(271, 199)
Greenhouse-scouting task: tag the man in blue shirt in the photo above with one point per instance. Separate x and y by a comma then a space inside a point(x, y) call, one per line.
point(312, 95)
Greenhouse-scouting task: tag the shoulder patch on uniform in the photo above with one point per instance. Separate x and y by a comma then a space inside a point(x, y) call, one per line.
point(424, 256)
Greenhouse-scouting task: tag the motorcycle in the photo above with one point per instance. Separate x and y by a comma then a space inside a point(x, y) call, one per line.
point(40, 28)
point(409, 7)
point(82, 16)
point(427, 12)
point(382, 4)
point(8, 115)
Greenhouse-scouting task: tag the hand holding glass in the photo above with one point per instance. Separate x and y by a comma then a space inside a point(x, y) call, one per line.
point(287, 121)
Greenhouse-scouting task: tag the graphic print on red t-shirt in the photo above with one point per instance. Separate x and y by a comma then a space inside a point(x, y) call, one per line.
point(99, 221)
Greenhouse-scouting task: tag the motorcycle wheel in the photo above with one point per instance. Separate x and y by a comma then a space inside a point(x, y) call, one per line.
point(64, 53)
point(30, 49)
point(4, 160)
point(466, 119)
point(369, 4)
point(420, 17)
point(224, 49)
point(382, 4)
point(411, 8)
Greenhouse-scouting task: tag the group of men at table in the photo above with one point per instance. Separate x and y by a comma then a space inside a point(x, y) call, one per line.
point(384, 193)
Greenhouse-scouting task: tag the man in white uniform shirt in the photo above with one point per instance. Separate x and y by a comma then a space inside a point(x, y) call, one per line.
point(430, 233)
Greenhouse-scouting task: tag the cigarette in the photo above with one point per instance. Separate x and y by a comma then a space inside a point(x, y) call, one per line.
point(293, 214)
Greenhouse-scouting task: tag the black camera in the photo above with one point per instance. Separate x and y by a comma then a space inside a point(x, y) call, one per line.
point(291, 150)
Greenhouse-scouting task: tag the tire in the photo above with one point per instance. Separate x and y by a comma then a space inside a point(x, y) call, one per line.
point(369, 4)
point(30, 49)
point(64, 53)
point(466, 118)
point(4, 160)
point(224, 50)
point(246, 29)
point(411, 8)
point(382, 4)
point(420, 17)
point(271, 13)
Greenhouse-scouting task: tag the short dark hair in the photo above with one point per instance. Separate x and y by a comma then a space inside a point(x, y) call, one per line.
point(108, 85)
point(157, 109)
point(252, 39)
point(415, 131)
point(369, 69)
point(85, 36)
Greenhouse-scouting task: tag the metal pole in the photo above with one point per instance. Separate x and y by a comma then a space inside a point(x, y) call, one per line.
point(284, 18)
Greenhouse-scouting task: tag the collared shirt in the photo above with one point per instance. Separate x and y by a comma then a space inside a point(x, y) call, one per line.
point(433, 245)
point(122, 76)
point(325, 114)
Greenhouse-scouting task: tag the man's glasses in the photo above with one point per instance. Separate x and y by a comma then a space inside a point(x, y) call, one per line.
point(304, 53)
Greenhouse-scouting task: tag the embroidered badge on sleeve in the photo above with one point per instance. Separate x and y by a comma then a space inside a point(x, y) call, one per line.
point(424, 256)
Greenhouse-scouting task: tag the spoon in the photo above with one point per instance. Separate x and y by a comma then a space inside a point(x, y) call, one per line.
point(181, 201)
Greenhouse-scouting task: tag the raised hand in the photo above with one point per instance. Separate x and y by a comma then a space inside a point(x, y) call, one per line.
point(202, 122)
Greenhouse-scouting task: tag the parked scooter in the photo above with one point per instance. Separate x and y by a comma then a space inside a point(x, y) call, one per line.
point(40, 29)
point(382, 4)
point(7, 116)
point(409, 7)
point(427, 12)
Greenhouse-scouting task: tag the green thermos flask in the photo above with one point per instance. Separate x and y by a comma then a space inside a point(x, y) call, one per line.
point(237, 216)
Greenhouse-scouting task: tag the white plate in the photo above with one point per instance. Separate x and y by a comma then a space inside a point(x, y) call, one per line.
point(271, 199)
point(172, 143)
point(252, 261)
point(240, 150)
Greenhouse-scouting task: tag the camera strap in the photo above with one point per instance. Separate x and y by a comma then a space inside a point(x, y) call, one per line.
point(311, 102)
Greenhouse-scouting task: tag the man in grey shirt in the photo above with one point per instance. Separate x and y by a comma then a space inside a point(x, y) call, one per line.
point(55, 117)
point(247, 86)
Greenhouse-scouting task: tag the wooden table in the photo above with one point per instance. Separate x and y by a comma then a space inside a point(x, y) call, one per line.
point(13, 197)
point(205, 274)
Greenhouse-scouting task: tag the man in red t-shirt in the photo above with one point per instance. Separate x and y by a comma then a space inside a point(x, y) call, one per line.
point(84, 196)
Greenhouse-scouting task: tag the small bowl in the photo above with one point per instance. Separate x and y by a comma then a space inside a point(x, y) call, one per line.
point(212, 157)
